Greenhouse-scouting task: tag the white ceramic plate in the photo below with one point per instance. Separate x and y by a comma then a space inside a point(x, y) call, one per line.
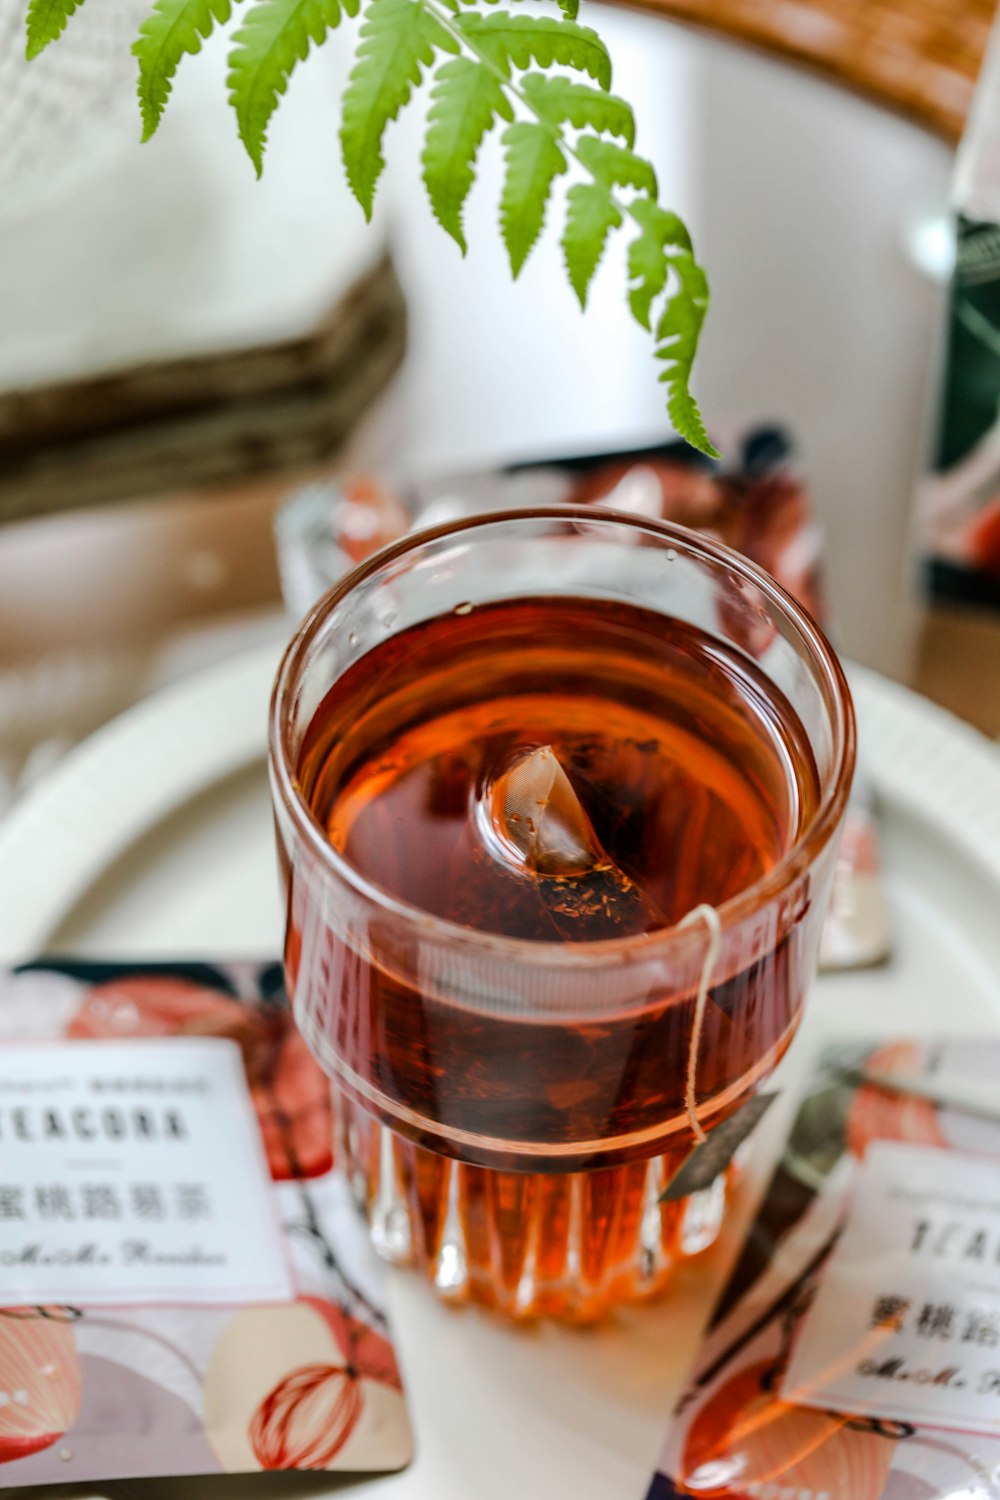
point(154, 837)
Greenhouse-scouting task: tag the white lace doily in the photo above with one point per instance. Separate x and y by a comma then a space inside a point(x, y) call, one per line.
point(56, 112)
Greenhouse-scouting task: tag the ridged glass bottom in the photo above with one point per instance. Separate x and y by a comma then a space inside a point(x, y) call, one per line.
point(530, 1245)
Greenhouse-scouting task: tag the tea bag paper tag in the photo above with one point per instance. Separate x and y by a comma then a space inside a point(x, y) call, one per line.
point(134, 1172)
point(707, 1161)
point(905, 1323)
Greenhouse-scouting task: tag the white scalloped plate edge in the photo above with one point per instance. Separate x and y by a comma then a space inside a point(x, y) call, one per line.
point(142, 766)
point(121, 781)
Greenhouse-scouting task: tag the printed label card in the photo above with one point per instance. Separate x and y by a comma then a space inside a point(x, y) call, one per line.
point(906, 1319)
point(133, 1172)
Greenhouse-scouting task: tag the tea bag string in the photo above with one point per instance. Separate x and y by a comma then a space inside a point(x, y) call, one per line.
point(710, 917)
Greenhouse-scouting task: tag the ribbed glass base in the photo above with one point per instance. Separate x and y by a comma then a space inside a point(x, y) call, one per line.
point(530, 1245)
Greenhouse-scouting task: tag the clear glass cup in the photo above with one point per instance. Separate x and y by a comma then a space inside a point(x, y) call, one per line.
point(496, 1197)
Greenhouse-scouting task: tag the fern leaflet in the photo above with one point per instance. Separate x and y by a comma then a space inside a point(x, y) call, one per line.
point(275, 35)
point(648, 266)
point(398, 41)
point(591, 216)
point(519, 41)
point(533, 162)
point(677, 334)
point(612, 164)
point(569, 8)
point(45, 22)
point(561, 101)
point(172, 29)
point(466, 98)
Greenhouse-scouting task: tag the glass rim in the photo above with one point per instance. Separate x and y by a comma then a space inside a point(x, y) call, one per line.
point(544, 953)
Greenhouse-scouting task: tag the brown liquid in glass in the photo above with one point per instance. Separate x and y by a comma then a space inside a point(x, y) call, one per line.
point(694, 776)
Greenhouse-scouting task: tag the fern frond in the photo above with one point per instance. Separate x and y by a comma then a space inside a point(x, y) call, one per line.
point(275, 35)
point(46, 20)
point(591, 216)
point(533, 161)
point(172, 29)
point(490, 63)
point(399, 39)
point(561, 101)
point(466, 98)
point(612, 164)
point(518, 41)
point(677, 334)
point(648, 266)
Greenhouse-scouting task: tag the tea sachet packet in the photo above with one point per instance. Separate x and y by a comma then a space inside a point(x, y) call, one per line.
point(187, 1286)
point(534, 826)
point(756, 501)
point(855, 1352)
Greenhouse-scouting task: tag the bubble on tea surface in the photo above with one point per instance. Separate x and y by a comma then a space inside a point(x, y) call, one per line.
point(538, 827)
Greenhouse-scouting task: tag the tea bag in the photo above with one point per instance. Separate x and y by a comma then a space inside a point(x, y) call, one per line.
point(536, 811)
point(538, 827)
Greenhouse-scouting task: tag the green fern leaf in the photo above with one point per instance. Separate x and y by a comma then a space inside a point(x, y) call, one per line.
point(275, 35)
point(519, 41)
point(590, 218)
point(648, 265)
point(610, 164)
point(465, 100)
point(677, 334)
point(398, 41)
point(172, 29)
point(533, 162)
point(46, 21)
point(561, 101)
